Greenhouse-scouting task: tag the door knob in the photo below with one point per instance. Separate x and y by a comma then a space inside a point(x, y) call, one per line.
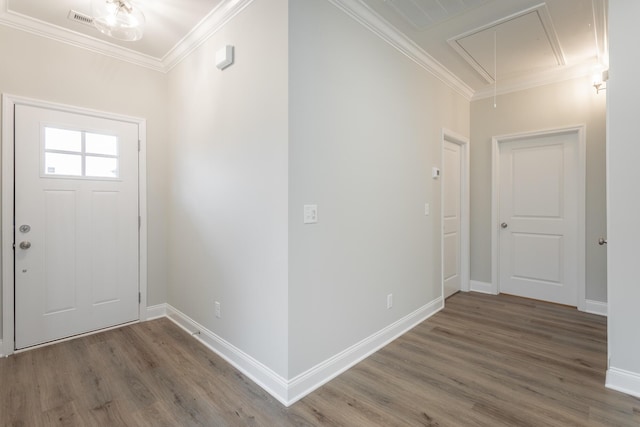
point(504, 225)
point(602, 241)
point(25, 245)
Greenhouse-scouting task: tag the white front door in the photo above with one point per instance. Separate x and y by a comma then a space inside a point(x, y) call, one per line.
point(538, 214)
point(76, 224)
point(452, 197)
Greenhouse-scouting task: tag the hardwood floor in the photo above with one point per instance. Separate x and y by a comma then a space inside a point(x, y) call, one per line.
point(483, 361)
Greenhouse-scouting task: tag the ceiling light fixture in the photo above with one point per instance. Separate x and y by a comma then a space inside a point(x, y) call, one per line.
point(120, 19)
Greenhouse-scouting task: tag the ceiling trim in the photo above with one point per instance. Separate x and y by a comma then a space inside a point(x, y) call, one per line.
point(208, 26)
point(540, 79)
point(600, 20)
point(545, 19)
point(380, 27)
point(54, 32)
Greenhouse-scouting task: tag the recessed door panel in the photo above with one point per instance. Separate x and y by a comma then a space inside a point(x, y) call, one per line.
point(537, 257)
point(534, 169)
point(59, 251)
point(105, 236)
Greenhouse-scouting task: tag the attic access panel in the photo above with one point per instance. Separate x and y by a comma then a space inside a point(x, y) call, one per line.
point(525, 42)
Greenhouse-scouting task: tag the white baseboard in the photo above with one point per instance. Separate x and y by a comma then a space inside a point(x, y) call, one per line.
point(156, 311)
point(273, 383)
point(322, 373)
point(482, 287)
point(623, 381)
point(596, 307)
point(290, 391)
point(2, 352)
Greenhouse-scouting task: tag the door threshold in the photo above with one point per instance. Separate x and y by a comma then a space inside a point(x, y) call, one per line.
point(84, 334)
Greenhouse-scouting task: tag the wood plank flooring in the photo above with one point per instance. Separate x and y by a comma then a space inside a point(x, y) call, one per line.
point(483, 361)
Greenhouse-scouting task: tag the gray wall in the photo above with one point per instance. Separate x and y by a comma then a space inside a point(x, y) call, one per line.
point(568, 103)
point(40, 68)
point(228, 191)
point(624, 195)
point(365, 127)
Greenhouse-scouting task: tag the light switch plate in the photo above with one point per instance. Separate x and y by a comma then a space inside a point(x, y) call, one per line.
point(426, 208)
point(310, 214)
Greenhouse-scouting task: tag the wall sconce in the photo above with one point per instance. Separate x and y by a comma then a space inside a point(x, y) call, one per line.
point(598, 87)
point(598, 80)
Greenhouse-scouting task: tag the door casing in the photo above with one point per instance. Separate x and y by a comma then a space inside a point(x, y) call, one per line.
point(463, 142)
point(580, 130)
point(7, 344)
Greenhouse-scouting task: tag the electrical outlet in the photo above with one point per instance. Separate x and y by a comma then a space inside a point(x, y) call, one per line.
point(389, 301)
point(218, 314)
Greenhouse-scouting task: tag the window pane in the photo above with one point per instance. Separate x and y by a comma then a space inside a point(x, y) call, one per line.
point(101, 144)
point(103, 167)
point(62, 139)
point(62, 164)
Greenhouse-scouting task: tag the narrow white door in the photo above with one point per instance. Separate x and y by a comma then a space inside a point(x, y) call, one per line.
point(76, 224)
point(538, 255)
point(452, 197)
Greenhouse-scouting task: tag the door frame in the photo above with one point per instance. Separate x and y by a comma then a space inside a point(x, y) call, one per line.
point(580, 130)
point(465, 246)
point(7, 343)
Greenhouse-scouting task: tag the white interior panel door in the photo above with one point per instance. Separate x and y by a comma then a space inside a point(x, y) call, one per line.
point(76, 224)
point(452, 197)
point(539, 218)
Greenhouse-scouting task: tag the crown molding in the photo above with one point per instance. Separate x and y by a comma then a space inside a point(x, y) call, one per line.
point(380, 27)
point(54, 32)
point(584, 69)
point(208, 26)
point(600, 25)
point(540, 79)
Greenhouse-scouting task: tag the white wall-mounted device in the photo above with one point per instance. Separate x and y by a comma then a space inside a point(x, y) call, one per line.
point(435, 173)
point(310, 214)
point(224, 57)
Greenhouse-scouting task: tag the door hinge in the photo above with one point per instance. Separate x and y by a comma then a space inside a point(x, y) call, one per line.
point(14, 246)
point(139, 143)
point(139, 222)
point(139, 297)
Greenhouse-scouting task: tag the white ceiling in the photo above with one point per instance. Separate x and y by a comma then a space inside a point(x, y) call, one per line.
point(467, 43)
point(168, 21)
point(173, 27)
point(535, 40)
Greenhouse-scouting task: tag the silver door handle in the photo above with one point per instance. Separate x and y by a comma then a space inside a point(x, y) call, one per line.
point(25, 245)
point(504, 225)
point(602, 241)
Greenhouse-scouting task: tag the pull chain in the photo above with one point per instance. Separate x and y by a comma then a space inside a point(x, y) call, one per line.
point(495, 68)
